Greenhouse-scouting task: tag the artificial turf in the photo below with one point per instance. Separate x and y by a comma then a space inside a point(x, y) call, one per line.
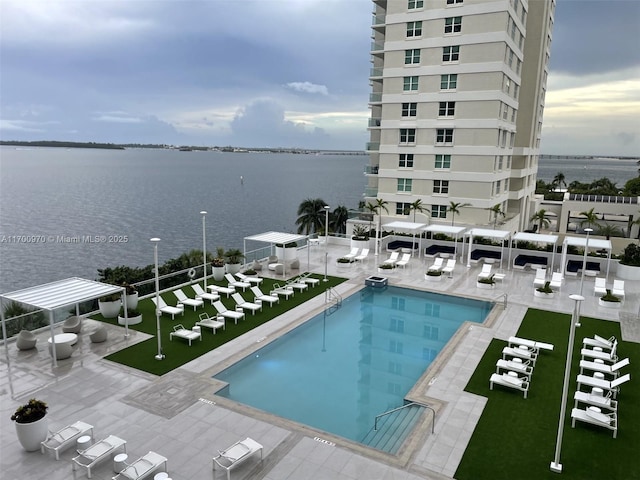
point(516, 437)
point(178, 352)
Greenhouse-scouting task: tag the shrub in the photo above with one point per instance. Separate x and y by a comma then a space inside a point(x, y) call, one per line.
point(631, 255)
point(610, 297)
point(546, 288)
point(344, 260)
point(386, 266)
point(360, 232)
point(488, 280)
point(30, 412)
point(434, 273)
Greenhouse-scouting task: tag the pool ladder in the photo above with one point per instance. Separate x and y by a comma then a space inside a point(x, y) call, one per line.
point(407, 405)
point(334, 298)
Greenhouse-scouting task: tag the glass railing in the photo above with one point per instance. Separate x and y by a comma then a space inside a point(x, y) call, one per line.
point(371, 169)
point(373, 146)
point(375, 97)
point(371, 192)
point(374, 122)
point(378, 20)
point(377, 46)
point(375, 72)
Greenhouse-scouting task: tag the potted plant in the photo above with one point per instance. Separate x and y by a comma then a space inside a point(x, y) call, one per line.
point(360, 237)
point(131, 295)
point(31, 424)
point(486, 283)
point(544, 291)
point(344, 261)
point(233, 259)
point(109, 305)
point(386, 267)
point(133, 317)
point(628, 269)
point(609, 300)
point(433, 275)
point(217, 265)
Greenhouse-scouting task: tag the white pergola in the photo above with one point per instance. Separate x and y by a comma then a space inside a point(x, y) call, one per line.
point(447, 230)
point(55, 295)
point(407, 227)
point(500, 235)
point(596, 243)
point(535, 238)
point(277, 238)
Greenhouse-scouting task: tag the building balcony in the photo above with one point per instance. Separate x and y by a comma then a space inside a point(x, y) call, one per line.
point(375, 72)
point(375, 122)
point(373, 146)
point(378, 20)
point(375, 97)
point(371, 192)
point(377, 46)
point(371, 169)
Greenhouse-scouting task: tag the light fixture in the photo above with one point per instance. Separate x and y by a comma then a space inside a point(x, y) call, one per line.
point(155, 241)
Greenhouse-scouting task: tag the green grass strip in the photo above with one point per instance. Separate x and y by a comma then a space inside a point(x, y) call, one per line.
point(178, 352)
point(516, 437)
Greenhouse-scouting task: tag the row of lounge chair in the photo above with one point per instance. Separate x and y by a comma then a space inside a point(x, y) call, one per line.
point(601, 407)
point(541, 279)
point(396, 261)
point(438, 265)
point(600, 287)
point(357, 255)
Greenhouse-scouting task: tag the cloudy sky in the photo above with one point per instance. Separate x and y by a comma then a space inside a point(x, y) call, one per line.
point(271, 73)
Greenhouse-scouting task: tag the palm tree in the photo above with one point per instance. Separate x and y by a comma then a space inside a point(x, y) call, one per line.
point(418, 206)
point(454, 208)
point(311, 215)
point(497, 212)
point(376, 209)
point(607, 230)
point(591, 218)
point(559, 180)
point(338, 219)
point(541, 219)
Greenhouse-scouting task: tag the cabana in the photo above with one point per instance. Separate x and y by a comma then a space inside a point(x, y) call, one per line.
point(500, 235)
point(535, 238)
point(55, 295)
point(407, 227)
point(278, 238)
point(447, 230)
point(595, 243)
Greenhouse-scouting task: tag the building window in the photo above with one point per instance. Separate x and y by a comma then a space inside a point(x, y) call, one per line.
point(407, 136)
point(449, 81)
point(512, 139)
point(438, 211)
point(509, 57)
point(507, 85)
point(441, 187)
point(443, 161)
point(498, 187)
point(453, 2)
point(451, 54)
point(414, 29)
point(516, 91)
point(412, 56)
point(410, 84)
point(447, 109)
point(413, 4)
point(499, 158)
point(405, 160)
point(404, 185)
point(505, 111)
point(403, 208)
point(444, 136)
point(409, 109)
point(503, 143)
point(453, 25)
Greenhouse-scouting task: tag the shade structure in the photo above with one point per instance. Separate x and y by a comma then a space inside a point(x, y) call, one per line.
point(54, 295)
point(407, 227)
point(483, 232)
point(535, 238)
point(275, 238)
point(447, 230)
point(595, 243)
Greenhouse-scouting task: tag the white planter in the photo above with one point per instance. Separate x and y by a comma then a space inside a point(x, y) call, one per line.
point(109, 309)
point(218, 273)
point(606, 304)
point(432, 278)
point(625, 272)
point(538, 294)
point(486, 286)
point(343, 266)
point(233, 267)
point(385, 270)
point(32, 434)
point(132, 301)
point(359, 244)
point(130, 320)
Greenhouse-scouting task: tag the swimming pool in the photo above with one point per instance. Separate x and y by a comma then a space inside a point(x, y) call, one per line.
point(338, 370)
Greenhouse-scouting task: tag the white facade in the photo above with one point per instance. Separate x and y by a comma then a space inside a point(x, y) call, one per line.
point(456, 106)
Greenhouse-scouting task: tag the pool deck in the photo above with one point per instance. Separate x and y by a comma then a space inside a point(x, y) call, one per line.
point(177, 416)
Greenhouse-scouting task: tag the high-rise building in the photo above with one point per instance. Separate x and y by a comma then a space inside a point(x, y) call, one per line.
point(457, 100)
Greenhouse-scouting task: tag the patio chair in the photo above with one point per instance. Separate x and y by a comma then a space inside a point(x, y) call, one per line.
point(169, 310)
point(594, 416)
point(181, 332)
point(609, 385)
point(282, 291)
point(603, 367)
point(99, 335)
point(521, 353)
point(210, 322)
point(515, 365)
point(607, 345)
point(244, 305)
point(437, 265)
point(600, 286)
point(226, 313)
point(404, 261)
point(143, 467)
point(297, 285)
point(556, 280)
point(200, 293)
point(610, 357)
point(541, 277)
point(264, 298)
point(219, 289)
point(450, 266)
point(362, 257)
point(236, 454)
point(63, 350)
point(393, 258)
point(306, 278)
point(98, 452)
point(183, 299)
point(65, 437)
point(618, 288)
point(486, 271)
point(231, 280)
point(26, 340)
point(72, 325)
point(352, 254)
point(510, 380)
point(253, 280)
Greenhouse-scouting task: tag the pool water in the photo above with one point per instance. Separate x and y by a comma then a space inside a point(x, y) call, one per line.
point(339, 370)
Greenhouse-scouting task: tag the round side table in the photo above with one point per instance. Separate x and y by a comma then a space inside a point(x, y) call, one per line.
point(120, 462)
point(83, 443)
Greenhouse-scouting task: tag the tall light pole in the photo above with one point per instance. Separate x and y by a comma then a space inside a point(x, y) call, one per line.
point(326, 240)
point(155, 241)
point(584, 259)
point(556, 466)
point(204, 249)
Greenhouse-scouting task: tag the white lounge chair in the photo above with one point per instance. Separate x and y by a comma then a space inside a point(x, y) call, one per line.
point(610, 357)
point(253, 280)
point(309, 280)
point(181, 332)
point(219, 289)
point(65, 438)
point(450, 266)
point(236, 283)
point(183, 299)
point(257, 293)
point(532, 344)
point(236, 454)
point(297, 285)
point(510, 380)
point(437, 265)
point(603, 344)
point(600, 286)
point(541, 277)
point(142, 467)
point(556, 280)
point(282, 291)
point(363, 255)
point(485, 272)
point(98, 452)
point(603, 367)
point(352, 254)
point(522, 353)
point(404, 261)
point(393, 258)
point(200, 293)
point(243, 304)
point(618, 288)
point(594, 416)
point(226, 313)
point(596, 400)
point(515, 365)
point(613, 385)
point(169, 310)
point(210, 322)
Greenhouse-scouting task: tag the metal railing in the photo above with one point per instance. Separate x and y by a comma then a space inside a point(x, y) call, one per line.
point(333, 297)
point(505, 300)
point(424, 405)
